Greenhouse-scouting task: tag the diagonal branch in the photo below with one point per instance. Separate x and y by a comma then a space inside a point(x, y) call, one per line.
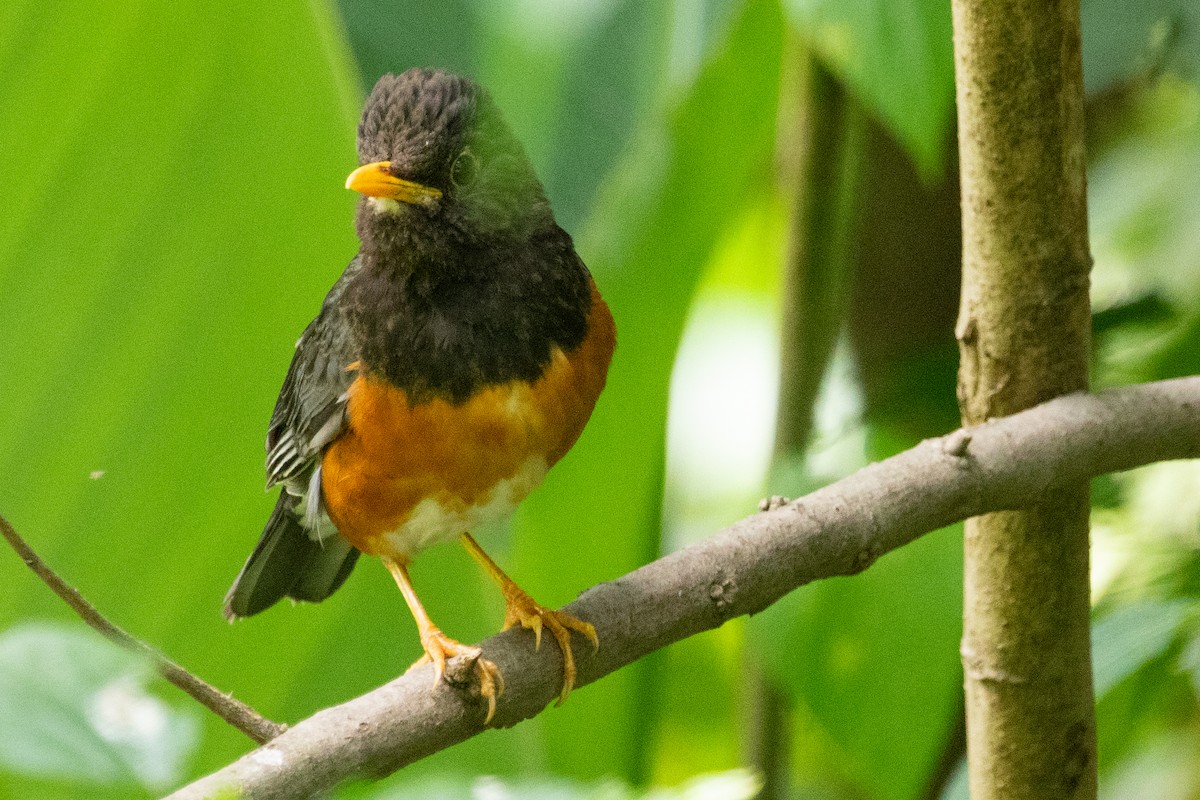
point(235, 712)
point(839, 530)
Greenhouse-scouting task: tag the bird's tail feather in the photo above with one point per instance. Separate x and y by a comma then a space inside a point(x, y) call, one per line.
point(287, 563)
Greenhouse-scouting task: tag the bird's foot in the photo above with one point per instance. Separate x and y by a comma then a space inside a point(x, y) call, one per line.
point(521, 609)
point(439, 648)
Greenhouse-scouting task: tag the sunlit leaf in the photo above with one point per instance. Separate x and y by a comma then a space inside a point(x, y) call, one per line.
point(1143, 207)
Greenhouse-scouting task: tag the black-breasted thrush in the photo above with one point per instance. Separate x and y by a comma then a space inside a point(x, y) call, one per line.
point(457, 358)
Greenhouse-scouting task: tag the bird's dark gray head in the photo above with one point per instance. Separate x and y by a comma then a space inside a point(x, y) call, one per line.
point(417, 120)
point(464, 277)
point(441, 169)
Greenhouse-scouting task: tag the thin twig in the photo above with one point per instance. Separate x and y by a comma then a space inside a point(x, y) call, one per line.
point(235, 712)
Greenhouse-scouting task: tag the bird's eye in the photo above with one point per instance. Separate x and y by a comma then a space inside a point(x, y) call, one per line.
point(464, 170)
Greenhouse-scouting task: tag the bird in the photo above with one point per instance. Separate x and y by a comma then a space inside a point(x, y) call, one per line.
point(456, 359)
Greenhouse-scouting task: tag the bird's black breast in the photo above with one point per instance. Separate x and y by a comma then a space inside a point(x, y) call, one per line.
point(446, 330)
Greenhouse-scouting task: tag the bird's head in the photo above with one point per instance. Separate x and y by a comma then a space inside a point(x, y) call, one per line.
point(441, 172)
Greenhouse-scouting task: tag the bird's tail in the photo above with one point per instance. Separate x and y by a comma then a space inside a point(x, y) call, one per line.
point(288, 563)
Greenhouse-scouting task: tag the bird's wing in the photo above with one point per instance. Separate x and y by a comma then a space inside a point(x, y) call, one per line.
point(298, 556)
point(311, 410)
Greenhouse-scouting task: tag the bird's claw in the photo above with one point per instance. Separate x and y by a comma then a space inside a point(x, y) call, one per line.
point(521, 609)
point(439, 648)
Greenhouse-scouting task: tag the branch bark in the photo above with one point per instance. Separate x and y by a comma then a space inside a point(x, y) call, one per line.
point(1024, 336)
point(839, 530)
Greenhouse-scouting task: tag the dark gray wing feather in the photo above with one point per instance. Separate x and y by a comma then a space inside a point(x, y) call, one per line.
point(298, 556)
point(311, 410)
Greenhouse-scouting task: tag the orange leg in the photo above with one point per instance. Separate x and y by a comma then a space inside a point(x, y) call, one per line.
point(438, 646)
point(521, 608)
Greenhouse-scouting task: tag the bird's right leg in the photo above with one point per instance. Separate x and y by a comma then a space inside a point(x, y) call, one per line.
point(439, 647)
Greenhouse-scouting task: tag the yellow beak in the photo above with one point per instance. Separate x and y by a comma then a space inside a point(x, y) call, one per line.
point(375, 180)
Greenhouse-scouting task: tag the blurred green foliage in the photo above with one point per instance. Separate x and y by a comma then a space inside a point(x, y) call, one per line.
point(74, 706)
point(1123, 40)
point(173, 214)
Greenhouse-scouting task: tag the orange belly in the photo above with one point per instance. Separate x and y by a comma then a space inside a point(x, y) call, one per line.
point(405, 476)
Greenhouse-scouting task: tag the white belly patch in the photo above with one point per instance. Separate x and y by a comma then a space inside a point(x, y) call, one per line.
point(434, 521)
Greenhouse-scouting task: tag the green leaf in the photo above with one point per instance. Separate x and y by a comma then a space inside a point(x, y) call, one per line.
point(445, 34)
point(1132, 636)
point(875, 659)
point(174, 213)
point(75, 706)
point(897, 58)
point(1142, 208)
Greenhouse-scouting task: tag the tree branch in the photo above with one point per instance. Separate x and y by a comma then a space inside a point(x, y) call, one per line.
point(839, 530)
point(235, 712)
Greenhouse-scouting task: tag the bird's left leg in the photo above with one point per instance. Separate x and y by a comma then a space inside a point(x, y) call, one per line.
point(521, 608)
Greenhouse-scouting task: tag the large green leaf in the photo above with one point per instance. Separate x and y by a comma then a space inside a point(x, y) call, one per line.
point(873, 659)
point(74, 706)
point(174, 212)
point(896, 56)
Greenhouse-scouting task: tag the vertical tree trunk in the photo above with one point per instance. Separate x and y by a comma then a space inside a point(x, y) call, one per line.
point(1023, 333)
